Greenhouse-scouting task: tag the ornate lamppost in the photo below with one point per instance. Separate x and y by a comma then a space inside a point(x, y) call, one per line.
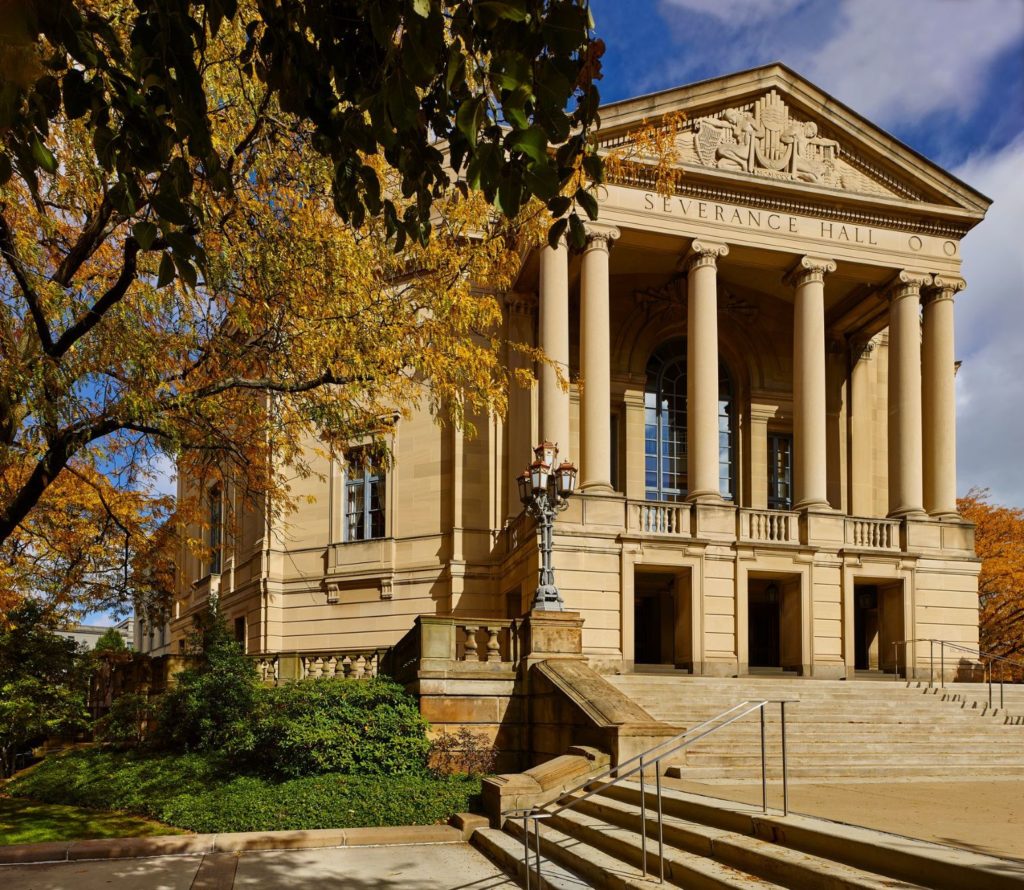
point(545, 490)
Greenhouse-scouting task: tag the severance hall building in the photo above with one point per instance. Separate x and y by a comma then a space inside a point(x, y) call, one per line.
point(764, 431)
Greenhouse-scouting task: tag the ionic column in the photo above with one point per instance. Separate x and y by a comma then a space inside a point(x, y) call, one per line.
point(861, 476)
point(702, 369)
point(554, 342)
point(906, 497)
point(938, 367)
point(595, 361)
point(810, 448)
point(521, 420)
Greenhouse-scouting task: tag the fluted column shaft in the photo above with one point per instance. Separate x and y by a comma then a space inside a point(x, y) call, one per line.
point(938, 367)
point(702, 370)
point(906, 496)
point(554, 342)
point(595, 361)
point(810, 448)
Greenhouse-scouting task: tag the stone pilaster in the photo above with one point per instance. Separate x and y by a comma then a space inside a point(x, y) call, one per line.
point(595, 361)
point(702, 369)
point(810, 467)
point(906, 496)
point(938, 369)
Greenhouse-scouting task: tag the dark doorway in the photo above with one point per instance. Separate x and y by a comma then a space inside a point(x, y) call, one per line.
point(654, 618)
point(865, 628)
point(764, 612)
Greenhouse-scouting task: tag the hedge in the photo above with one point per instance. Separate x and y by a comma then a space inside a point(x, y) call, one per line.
point(200, 793)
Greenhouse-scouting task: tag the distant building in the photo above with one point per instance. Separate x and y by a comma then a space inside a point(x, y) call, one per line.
point(89, 634)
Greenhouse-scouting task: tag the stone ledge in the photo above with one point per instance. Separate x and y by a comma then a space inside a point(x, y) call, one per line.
point(234, 842)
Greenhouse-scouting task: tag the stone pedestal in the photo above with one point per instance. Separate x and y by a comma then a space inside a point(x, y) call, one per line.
point(551, 635)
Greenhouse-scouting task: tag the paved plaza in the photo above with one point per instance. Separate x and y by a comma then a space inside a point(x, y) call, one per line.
point(456, 866)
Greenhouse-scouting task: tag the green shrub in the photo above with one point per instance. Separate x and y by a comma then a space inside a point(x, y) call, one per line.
point(211, 705)
point(128, 722)
point(367, 727)
point(199, 792)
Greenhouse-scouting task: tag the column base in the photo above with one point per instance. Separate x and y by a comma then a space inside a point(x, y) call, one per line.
point(946, 516)
point(908, 513)
point(597, 487)
point(814, 506)
point(705, 497)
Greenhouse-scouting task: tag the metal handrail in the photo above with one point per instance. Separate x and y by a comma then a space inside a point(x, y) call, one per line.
point(985, 657)
point(647, 759)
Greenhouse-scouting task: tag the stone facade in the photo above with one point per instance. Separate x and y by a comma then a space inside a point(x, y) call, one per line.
point(763, 422)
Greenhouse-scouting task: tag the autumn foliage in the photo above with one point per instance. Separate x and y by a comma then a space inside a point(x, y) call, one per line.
point(999, 542)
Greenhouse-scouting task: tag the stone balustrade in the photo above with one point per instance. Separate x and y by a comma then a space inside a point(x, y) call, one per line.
point(658, 518)
point(497, 637)
point(351, 664)
point(769, 526)
point(872, 534)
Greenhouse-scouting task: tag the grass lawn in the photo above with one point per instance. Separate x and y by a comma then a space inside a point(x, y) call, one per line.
point(28, 822)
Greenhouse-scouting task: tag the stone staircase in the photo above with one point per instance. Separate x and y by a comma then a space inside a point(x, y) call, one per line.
point(711, 843)
point(838, 730)
point(975, 697)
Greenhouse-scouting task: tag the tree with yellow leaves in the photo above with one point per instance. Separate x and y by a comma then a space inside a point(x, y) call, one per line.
point(228, 226)
point(999, 542)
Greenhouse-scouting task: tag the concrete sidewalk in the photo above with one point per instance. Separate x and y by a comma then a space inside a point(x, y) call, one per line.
point(435, 866)
point(986, 816)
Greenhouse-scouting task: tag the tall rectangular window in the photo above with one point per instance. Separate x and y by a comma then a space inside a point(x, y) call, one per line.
point(364, 499)
point(780, 471)
point(216, 524)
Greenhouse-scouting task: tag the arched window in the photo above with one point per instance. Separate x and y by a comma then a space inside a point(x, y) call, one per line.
point(665, 442)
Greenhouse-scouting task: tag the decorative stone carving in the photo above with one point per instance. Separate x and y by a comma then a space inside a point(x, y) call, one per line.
point(764, 138)
point(387, 588)
point(333, 593)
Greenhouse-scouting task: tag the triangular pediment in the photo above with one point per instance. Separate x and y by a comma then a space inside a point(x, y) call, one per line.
point(772, 129)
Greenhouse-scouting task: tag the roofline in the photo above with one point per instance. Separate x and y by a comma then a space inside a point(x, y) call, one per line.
point(785, 73)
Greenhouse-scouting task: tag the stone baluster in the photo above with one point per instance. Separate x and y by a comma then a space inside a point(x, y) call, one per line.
point(471, 643)
point(493, 644)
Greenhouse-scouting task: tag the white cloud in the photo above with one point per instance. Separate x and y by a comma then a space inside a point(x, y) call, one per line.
point(893, 59)
point(737, 13)
point(990, 332)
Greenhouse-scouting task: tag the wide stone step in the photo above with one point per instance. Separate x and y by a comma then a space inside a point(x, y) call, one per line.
point(604, 867)
point(877, 852)
point(791, 868)
point(506, 852)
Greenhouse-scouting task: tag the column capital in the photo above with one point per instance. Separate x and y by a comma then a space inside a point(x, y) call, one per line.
point(943, 287)
point(809, 268)
point(906, 283)
point(704, 253)
point(600, 237)
point(520, 302)
point(862, 348)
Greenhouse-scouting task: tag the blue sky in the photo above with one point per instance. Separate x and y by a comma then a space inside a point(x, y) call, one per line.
point(944, 76)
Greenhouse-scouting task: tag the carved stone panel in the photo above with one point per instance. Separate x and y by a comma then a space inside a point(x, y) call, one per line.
point(764, 138)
